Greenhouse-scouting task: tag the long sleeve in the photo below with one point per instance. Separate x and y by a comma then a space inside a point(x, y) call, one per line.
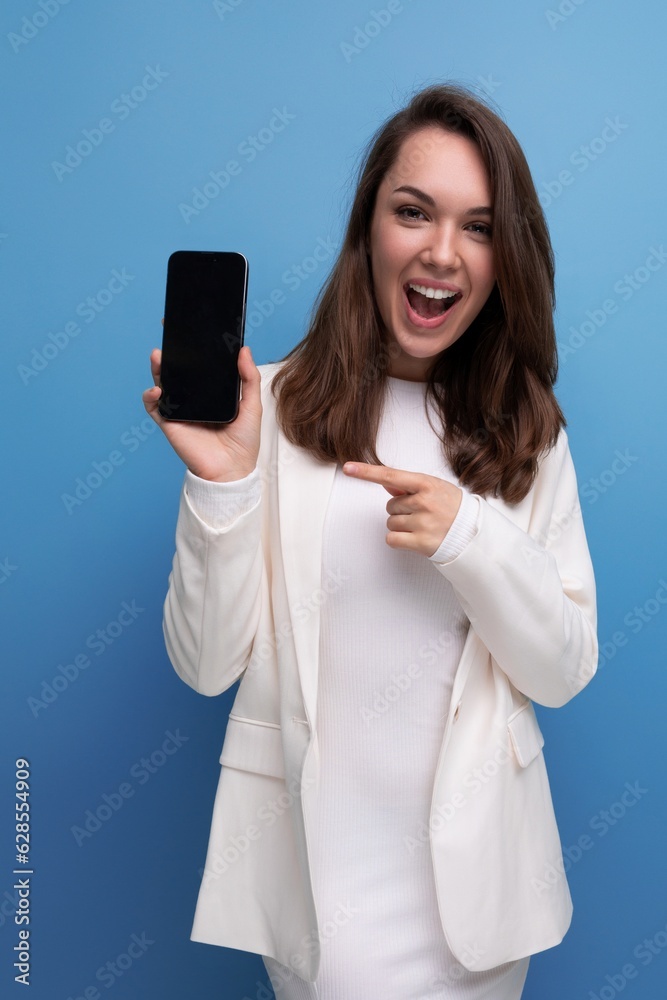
point(532, 599)
point(219, 504)
point(213, 604)
point(463, 528)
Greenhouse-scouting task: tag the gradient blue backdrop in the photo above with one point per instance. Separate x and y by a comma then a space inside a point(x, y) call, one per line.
point(579, 74)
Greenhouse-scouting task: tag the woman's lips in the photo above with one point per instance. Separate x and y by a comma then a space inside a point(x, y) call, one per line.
point(428, 324)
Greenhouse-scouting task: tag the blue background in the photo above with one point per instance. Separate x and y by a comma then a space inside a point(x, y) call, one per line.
point(219, 71)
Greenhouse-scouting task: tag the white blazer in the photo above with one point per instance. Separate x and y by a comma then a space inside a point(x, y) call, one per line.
point(243, 602)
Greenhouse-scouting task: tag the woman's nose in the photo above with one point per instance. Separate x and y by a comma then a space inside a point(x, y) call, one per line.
point(441, 247)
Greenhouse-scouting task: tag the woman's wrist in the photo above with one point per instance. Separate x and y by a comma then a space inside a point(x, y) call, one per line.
point(232, 476)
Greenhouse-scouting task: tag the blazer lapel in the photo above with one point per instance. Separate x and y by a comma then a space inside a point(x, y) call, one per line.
point(304, 486)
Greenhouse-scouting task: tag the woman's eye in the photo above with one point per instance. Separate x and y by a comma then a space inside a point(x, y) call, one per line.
point(481, 228)
point(405, 210)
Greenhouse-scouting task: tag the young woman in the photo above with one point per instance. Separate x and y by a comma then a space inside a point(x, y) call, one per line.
point(386, 548)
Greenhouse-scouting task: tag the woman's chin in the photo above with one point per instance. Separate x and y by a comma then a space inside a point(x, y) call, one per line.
point(423, 345)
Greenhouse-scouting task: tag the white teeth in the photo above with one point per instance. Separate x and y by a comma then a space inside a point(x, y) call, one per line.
point(433, 293)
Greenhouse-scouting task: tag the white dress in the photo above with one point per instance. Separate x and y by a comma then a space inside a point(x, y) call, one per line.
point(391, 638)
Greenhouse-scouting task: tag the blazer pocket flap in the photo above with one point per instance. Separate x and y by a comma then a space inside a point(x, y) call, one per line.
point(525, 734)
point(252, 745)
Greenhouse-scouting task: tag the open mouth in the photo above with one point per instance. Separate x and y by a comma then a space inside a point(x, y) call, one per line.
point(430, 303)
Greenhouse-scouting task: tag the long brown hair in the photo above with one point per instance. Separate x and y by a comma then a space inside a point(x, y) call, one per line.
point(494, 385)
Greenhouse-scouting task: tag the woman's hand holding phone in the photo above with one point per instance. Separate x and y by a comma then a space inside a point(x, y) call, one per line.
point(220, 453)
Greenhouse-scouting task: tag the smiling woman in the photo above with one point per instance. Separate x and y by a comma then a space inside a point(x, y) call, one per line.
point(431, 259)
point(411, 449)
point(445, 202)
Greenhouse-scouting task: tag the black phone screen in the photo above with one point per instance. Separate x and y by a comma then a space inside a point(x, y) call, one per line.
point(204, 318)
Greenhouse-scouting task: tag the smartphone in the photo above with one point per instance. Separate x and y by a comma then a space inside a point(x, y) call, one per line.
point(204, 320)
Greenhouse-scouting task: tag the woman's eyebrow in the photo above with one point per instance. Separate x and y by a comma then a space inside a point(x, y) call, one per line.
point(426, 198)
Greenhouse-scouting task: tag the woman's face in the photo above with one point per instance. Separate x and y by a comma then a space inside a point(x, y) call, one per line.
point(431, 230)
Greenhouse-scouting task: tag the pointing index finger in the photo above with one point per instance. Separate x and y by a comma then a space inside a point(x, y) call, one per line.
point(395, 481)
